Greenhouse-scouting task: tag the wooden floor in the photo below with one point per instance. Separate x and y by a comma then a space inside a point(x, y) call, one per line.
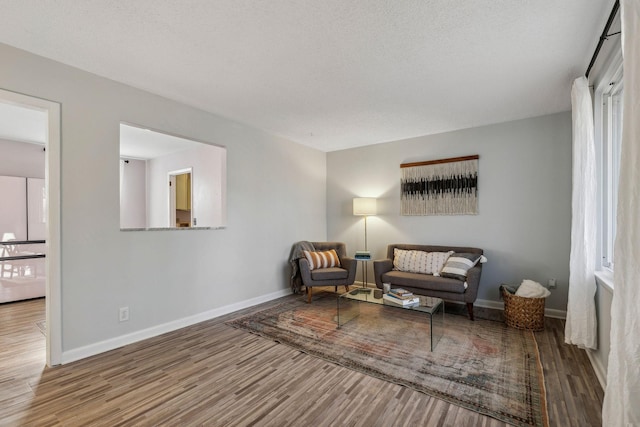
point(212, 374)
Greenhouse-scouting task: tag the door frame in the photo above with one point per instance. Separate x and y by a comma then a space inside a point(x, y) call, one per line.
point(171, 178)
point(53, 300)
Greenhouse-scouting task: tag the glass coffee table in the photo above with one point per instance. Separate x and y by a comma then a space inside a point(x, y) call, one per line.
point(349, 309)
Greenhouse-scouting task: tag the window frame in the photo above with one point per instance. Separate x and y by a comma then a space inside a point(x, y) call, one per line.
point(608, 90)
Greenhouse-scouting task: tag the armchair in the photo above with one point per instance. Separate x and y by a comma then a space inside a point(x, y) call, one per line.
point(344, 275)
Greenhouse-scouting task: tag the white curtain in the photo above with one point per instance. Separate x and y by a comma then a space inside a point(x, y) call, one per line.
point(581, 326)
point(622, 396)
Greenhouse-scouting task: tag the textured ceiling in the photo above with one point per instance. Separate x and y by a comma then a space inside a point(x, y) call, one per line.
point(331, 74)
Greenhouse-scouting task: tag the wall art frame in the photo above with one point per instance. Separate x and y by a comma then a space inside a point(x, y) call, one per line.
point(440, 187)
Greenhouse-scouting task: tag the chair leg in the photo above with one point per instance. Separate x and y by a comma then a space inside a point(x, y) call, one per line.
point(470, 310)
point(308, 295)
point(346, 288)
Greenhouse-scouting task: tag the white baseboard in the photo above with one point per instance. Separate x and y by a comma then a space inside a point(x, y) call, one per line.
point(485, 303)
point(120, 341)
point(499, 305)
point(117, 342)
point(598, 368)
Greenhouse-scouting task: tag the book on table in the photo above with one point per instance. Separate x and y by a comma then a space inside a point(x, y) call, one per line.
point(400, 293)
point(404, 302)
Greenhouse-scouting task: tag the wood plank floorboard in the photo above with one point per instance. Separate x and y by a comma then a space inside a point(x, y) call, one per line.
point(214, 375)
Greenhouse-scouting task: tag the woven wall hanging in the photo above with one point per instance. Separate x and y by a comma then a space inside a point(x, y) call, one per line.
point(440, 187)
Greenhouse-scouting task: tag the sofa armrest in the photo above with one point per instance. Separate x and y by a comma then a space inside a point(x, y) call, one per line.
point(351, 265)
point(473, 283)
point(305, 270)
point(379, 268)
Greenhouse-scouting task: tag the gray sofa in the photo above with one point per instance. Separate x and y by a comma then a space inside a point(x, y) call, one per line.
point(429, 285)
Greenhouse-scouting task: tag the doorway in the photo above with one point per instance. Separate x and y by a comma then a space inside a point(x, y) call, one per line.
point(180, 198)
point(51, 208)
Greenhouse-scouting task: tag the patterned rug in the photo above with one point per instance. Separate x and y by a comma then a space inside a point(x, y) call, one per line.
point(483, 365)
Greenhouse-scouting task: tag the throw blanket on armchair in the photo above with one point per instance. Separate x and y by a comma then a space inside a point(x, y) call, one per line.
point(296, 254)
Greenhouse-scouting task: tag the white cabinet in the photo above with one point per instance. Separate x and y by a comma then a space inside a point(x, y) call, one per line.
point(23, 217)
point(36, 209)
point(13, 208)
point(23, 213)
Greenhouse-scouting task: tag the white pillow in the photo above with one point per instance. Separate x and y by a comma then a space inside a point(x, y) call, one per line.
point(437, 260)
point(413, 261)
point(409, 261)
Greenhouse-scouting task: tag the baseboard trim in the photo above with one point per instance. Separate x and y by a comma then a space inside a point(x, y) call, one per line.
point(598, 369)
point(485, 303)
point(120, 341)
point(499, 305)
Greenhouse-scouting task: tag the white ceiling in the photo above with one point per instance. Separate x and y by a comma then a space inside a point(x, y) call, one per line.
point(331, 74)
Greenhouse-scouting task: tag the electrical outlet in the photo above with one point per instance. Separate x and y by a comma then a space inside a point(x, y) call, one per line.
point(123, 314)
point(551, 284)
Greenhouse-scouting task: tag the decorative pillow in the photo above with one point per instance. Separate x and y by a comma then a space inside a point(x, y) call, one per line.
point(410, 261)
point(401, 259)
point(324, 259)
point(458, 265)
point(436, 261)
point(413, 261)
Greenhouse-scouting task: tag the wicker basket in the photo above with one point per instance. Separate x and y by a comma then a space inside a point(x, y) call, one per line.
point(523, 313)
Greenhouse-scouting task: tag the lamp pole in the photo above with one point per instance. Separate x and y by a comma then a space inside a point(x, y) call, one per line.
point(365, 233)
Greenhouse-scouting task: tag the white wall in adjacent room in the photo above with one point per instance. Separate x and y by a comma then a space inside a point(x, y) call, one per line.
point(21, 159)
point(133, 193)
point(276, 195)
point(208, 164)
point(524, 216)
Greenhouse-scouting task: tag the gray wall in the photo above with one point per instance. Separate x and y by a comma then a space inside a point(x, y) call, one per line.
point(524, 200)
point(276, 195)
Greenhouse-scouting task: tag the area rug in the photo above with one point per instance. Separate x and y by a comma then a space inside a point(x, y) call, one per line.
point(483, 365)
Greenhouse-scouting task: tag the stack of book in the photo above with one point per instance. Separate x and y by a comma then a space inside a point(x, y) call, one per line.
point(402, 297)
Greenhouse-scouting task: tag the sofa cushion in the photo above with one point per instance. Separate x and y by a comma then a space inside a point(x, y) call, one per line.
point(324, 259)
point(331, 273)
point(423, 281)
point(414, 261)
point(459, 264)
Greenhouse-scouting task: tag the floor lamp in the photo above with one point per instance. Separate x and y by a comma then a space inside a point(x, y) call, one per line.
point(364, 206)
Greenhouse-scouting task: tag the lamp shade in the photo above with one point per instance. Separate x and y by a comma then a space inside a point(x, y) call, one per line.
point(364, 206)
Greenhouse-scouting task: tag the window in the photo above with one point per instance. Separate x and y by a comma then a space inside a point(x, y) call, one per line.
point(608, 133)
point(169, 182)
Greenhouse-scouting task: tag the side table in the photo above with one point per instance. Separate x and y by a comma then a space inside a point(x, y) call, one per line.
point(363, 264)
